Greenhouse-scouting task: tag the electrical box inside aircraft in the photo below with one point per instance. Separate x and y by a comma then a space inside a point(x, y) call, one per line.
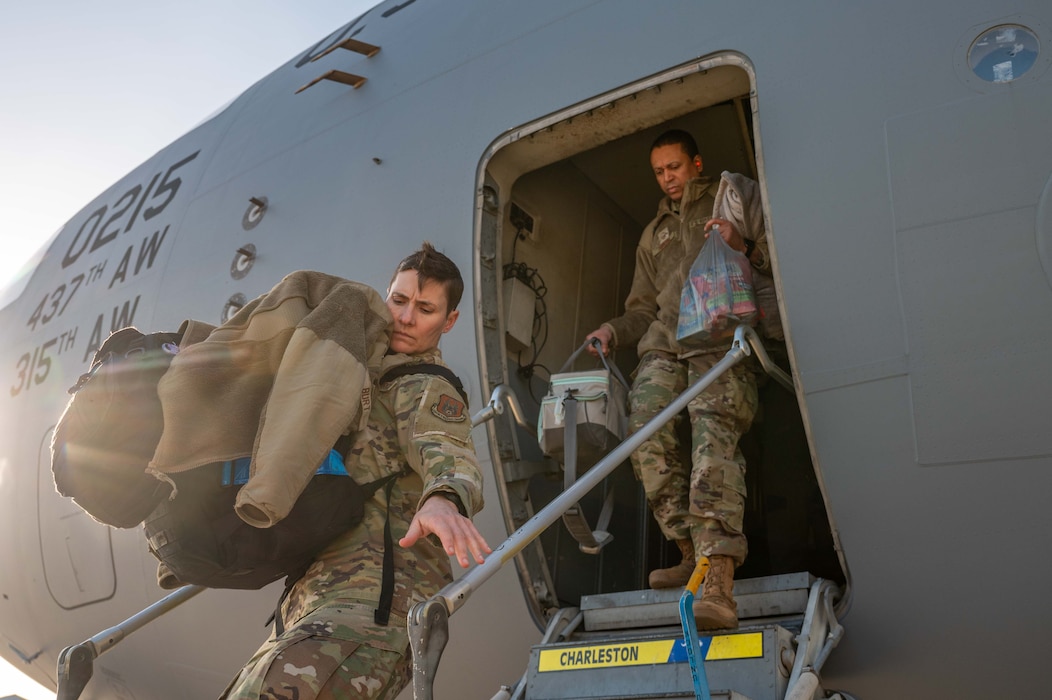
point(519, 301)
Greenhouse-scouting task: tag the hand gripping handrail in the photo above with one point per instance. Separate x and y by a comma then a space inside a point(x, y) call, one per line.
point(429, 620)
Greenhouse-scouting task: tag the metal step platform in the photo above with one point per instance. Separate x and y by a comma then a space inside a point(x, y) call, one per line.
point(629, 646)
point(745, 664)
point(759, 599)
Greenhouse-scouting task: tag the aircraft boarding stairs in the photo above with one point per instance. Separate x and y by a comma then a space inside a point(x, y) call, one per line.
point(631, 645)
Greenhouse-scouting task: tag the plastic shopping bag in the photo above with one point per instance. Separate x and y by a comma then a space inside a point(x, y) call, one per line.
point(718, 294)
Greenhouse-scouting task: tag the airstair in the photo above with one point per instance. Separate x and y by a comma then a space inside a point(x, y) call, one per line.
point(631, 645)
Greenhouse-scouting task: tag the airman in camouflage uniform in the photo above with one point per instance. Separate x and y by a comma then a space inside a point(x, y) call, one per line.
point(700, 506)
point(331, 646)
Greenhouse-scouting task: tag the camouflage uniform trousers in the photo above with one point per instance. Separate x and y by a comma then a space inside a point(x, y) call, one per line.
point(313, 661)
point(707, 501)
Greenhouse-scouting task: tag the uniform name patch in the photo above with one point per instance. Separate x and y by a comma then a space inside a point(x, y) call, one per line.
point(449, 409)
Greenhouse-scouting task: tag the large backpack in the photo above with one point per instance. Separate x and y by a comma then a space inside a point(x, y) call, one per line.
point(199, 538)
point(110, 429)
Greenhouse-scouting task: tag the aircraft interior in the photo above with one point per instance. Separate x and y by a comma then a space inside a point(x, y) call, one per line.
point(564, 203)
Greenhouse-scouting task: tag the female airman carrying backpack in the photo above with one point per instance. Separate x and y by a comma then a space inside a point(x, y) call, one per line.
point(123, 460)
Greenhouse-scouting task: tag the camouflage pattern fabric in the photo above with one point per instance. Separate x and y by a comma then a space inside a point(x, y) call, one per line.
point(705, 502)
point(719, 417)
point(325, 660)
point(418, 423)
point(656, 462)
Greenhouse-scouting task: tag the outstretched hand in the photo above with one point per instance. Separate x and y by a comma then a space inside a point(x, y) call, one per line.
point(440, 517)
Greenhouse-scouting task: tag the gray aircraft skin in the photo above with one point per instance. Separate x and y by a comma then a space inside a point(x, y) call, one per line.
point(908, 204)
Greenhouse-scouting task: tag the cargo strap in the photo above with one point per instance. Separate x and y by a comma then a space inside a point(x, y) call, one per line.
point(590, 541)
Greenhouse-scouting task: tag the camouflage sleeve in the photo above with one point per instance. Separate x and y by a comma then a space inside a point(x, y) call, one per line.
point(434, 428)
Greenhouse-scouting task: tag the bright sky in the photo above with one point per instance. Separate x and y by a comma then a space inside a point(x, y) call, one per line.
point(89, 90)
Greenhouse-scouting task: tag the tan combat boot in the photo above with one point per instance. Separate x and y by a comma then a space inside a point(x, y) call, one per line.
point(717, 610)
point(678, 575)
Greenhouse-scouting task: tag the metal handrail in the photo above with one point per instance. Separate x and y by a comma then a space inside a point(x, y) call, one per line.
point(76, 663)
point(501, 395)
point(820, 632)
point(428, 620)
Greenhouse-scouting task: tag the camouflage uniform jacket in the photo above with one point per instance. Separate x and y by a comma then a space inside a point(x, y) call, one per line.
point(419, 424)
point(674, 236)
point(668, 247)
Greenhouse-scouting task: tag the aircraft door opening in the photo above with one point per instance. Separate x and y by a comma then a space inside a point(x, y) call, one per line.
point(564, 202)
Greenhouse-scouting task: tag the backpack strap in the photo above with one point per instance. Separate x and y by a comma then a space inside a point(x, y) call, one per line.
point(383, 612)
point(426, 368)
point(345, 442)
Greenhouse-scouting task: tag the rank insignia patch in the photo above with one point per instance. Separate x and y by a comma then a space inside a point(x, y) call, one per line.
point(449, 409)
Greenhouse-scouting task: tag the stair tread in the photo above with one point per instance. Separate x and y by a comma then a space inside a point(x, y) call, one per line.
point(757, 598)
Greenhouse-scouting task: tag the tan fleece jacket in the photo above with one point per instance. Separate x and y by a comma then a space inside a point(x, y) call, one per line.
point(279, 382)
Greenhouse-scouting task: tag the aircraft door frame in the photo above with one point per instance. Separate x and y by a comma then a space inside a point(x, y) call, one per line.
point(651, 103)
